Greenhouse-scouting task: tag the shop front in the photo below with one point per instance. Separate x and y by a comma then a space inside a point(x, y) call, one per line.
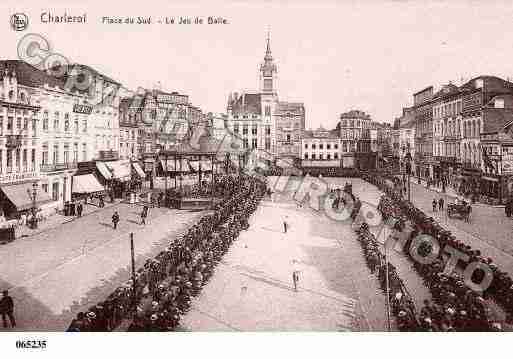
point(17, 199)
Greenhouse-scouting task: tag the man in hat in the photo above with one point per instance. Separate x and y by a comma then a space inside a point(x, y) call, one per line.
point(7, 309)
point(115, 219)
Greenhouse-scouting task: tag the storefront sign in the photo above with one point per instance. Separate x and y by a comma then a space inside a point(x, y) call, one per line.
point(84, 109)
point(13, 177)
point(507, 166)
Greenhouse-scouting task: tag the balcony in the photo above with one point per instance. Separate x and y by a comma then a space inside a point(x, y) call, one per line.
point(56, 167)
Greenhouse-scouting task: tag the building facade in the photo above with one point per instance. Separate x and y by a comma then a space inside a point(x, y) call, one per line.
point(264, 123)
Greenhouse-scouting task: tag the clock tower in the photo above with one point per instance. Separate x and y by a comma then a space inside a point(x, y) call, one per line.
point(268, 73)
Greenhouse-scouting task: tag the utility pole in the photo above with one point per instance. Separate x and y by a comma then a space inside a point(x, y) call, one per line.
point(134, 291)
point(387, 281)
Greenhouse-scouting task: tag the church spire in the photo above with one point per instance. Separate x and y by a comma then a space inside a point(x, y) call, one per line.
point(268, 56)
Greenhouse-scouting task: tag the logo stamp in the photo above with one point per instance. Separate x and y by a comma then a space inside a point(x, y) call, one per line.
point(19, 22)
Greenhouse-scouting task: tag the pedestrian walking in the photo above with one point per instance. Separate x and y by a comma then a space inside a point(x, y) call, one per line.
point(435, 204)
point(115, 219)
point(441, 204)
point(144, 214)
point(7, 309)
point(285, 226)
point(80, 208)
point(295, 279)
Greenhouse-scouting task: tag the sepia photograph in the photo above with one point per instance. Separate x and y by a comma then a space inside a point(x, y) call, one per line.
point(203, 168)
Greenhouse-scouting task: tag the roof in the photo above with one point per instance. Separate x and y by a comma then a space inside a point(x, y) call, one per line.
point(28, 75)
point(355, 114)
point(294, 107)
point(321, 132)
point(94, 71)
point(494, 119)
point(447, 90)
point(247, 103)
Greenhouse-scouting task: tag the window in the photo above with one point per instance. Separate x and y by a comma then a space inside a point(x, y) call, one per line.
point(1, 125)
point(66, 153)
point(236, 128)
point(306, 156)
point(306, 145)
point(267, 143)
point(328, 156)
point(328, 146)
point(9, 161)
point(335, 146)
point(245, 143)
point(84, 125)
point(321, 146)
point(45, 121)
point(55, 153)
point(268, 84)
point(44, 159)
point(25, 160)
point(1, 160)
point(76, 125)
point(254, 129)
point(288, 137)
point(335, 156)
point(34, 126)
point(56, 124)
point(313, 146)
point(254, 143)
point(25, 124)
point(44, 186)
point(75, 152)
point(18, 158)
point(18, 123)
point(268, 130)
point(84, 152)
point(33, 159)
point(313, 156)
point(351, 123)
point(55, 191)
point(268, 110)
point(244, 129)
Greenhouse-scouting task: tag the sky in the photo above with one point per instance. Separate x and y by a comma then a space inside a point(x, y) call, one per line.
point(333, 56)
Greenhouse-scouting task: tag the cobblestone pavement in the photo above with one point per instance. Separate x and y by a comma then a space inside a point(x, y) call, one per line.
point(252, 288)
point(58, 272)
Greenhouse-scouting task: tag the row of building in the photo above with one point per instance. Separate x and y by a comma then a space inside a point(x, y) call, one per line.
point(262, 121)
point(461, 136)
point(72, 139)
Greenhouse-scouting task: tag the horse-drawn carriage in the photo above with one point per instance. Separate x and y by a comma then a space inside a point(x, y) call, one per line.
point(461, 210)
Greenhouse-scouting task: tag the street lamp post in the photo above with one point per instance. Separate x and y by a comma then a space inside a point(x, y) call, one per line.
point(33, 195)
point(407, 159)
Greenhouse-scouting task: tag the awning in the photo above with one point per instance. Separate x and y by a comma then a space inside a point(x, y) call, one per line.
point(120, 169)
point(19, 196)
point(104, 170)
point(138, 169)
point(86, 184)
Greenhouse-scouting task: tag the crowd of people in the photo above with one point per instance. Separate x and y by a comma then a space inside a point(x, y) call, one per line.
point(401, 304)
point(165, 284)
point(456, 307)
